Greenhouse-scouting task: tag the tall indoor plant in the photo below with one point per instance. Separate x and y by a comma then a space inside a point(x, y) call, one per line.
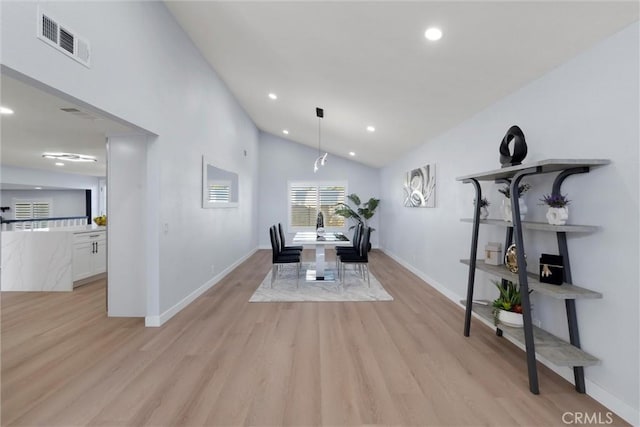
point(361, 213)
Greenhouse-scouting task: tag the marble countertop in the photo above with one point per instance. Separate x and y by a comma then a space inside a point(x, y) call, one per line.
point(73, 229)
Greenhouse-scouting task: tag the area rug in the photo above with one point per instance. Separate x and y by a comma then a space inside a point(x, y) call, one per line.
point(284, 288)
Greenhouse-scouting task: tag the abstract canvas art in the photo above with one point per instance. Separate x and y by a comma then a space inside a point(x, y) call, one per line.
point(420, 187)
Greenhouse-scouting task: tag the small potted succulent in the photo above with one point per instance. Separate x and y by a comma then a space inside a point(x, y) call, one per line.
point(558, 211)
point(484, 203)
point(506, 203)
point(507, 308)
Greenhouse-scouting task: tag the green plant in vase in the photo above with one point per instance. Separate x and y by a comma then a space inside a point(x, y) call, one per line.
point(361, 213)
point(506, 203)
point(484, 204)
point(507, 308)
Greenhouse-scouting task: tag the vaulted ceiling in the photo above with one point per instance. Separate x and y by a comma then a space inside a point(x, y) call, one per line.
point(369, 64)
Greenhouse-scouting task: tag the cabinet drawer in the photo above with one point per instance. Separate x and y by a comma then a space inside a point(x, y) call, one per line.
point(89, 237)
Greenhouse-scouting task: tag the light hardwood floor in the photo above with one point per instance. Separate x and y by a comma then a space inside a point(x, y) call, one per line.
point(224, 361)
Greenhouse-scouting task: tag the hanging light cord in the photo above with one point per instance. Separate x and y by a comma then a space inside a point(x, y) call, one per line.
point(319, 138)
point(320, 161)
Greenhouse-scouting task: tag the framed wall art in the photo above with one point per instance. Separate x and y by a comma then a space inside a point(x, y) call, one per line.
point(420, 187)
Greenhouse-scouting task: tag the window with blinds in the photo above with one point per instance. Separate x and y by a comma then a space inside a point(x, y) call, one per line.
point(220, 193)
point(306, 199)
point(31, 209)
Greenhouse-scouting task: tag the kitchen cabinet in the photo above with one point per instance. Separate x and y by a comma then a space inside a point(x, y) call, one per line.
point(89, 254)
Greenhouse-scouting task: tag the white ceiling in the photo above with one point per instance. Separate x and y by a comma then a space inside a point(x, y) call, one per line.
point(38, 125)
point(368, 63)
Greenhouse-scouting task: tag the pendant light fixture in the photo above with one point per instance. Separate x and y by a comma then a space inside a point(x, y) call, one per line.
point(322, 158)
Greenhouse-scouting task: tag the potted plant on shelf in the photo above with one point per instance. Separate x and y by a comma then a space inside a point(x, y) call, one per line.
point(507, 214)
point(484, 212)
point(507, 308)
point(558, 211)
point(361, 213)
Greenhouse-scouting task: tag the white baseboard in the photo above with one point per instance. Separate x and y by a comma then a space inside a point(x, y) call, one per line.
point(156, 321)
point(615, 404)
point(433, 283)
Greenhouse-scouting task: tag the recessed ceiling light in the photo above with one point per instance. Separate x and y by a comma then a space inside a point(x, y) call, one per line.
point(6, 110)
point(59, 164)
point(371, 129)
point(70, 157)
point(38, 188)
point(351, 153)
point(285, 131)
point(273, 96)
point(433, 34)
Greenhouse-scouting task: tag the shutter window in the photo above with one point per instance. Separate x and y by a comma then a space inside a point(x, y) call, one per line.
point(31, 209)
point(220, 193)
point(306, 199)
point(330, 196)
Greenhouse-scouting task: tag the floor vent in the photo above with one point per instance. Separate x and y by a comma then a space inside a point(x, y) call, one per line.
point(63, 39)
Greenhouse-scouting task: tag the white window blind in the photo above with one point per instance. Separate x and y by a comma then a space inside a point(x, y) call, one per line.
point(220, 193)
point(31, 209)
point(306, 199)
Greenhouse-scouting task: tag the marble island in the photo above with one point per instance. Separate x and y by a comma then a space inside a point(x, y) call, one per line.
point(51, 259)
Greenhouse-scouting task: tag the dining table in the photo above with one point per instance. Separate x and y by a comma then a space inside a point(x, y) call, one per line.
point(319, 241)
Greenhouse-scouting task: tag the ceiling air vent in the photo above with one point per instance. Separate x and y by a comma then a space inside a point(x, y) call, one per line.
point(49, 29)
point(66, 41)
point(63, 39)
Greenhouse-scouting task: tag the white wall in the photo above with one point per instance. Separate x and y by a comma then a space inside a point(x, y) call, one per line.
point(145, 70)
point(36, 178)
point(63, 202)
point(587, 108)
point(126, 212)
point(282, 160)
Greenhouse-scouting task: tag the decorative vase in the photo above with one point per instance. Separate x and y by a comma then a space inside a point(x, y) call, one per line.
point(511, 258)
point(557, 216)
point(510, 318)
point(507, 213)
point(484, 212)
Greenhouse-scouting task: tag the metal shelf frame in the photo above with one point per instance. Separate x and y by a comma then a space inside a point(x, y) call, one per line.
point(513, 176)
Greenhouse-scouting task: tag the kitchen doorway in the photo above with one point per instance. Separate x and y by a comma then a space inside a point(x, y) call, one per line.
point(54, 181)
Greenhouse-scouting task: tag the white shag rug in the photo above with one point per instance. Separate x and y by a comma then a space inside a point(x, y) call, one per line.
point(354, 288)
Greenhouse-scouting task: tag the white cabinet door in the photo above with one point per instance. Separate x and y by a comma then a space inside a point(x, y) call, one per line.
point(82, 260)
point(89, 255)
point(100, 257)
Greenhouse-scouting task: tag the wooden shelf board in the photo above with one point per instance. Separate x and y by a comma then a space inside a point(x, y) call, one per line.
point(552, 348)
point(543, 226)
point(544, 166)
point(564, 291)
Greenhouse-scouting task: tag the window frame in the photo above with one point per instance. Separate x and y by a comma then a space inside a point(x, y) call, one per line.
point(317, 185)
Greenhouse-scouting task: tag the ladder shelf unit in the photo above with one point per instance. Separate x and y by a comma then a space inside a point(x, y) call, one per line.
point(535, 340)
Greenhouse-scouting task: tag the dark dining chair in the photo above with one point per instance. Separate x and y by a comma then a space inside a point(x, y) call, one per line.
point(355, 244)
point(359, 259)
point(283, 244)
point(279, 258)
point(286, 250)
point(357, 235)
